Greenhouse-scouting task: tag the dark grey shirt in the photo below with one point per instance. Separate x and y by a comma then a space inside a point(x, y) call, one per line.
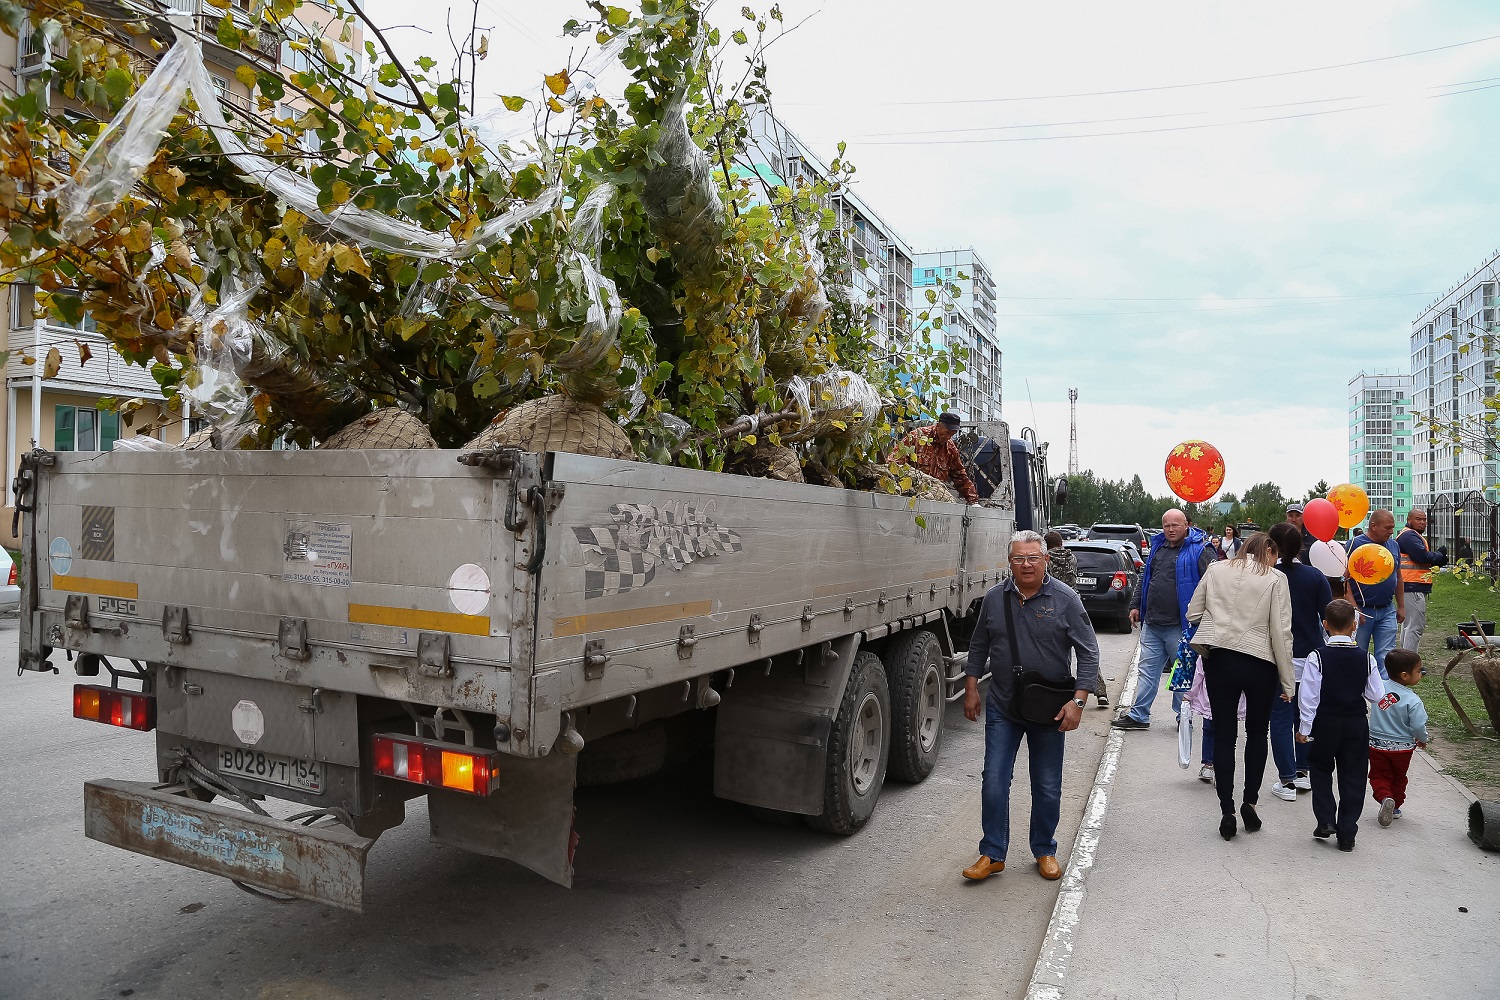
point(1161, 602)
point(1050, 628)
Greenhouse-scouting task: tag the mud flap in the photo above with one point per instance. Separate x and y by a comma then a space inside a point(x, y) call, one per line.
point(528, 819)
point(323, 863)
point(771, 736)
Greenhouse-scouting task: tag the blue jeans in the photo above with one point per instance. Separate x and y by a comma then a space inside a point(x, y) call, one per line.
point(1158, 647)
point(1381, 624)
point(1044, 751)
point(1284, 746)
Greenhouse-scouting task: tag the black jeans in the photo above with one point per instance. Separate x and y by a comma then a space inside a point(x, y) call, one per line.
point(1227, 675)
point(1341, 743)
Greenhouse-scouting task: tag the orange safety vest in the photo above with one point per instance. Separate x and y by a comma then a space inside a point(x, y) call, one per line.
point(1410, 571)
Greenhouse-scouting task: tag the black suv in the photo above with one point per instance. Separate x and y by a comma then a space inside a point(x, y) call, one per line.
point(1106, 582)
point(1121, 533)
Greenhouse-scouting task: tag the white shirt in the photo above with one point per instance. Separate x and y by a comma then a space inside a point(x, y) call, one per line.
point(1312, 683)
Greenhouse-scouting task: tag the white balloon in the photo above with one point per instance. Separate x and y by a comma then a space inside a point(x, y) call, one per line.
point(1328, 558)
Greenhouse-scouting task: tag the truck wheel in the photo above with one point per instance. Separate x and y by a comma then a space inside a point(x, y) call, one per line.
point(858, 749)
point(914, 664)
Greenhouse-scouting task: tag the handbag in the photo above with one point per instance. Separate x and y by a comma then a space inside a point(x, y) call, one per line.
point(1037, 698)
point(1185, 665)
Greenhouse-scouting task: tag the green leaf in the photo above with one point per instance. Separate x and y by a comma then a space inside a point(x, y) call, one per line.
point(513, 103)
point(228, 35)
point(921, 521)
point(617, 17)
point(117, 84)
point(739, 36)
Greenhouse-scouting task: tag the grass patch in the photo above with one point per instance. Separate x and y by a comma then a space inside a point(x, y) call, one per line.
point(1474, 761)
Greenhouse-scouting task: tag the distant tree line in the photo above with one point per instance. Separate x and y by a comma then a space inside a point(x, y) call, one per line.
point(1092, 499)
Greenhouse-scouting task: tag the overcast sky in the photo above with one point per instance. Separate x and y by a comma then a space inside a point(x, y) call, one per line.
point(1191, 278)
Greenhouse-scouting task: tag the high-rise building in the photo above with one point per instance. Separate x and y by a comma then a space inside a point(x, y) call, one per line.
point(1454, 355)
point(969, 322)
point(1380, 440)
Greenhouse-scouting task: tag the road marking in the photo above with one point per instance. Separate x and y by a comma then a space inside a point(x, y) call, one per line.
point(1050, 974)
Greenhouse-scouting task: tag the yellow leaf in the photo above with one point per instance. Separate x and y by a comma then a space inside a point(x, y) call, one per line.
point(340, 192)
point(558, 82)
point(137, 238)
point(275, 142)
point(513, 103)
point(349, 259)
point(525, 301)
point(273, 251)
point(221, 4)
point(555, 105)
point(53, 363)
point(652, 254)
point(407, 328)
point(262, 408)
point(169, 180)
point(441, 158)
point(246, 75)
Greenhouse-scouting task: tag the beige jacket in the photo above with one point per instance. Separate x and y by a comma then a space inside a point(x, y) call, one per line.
point(1249, 612)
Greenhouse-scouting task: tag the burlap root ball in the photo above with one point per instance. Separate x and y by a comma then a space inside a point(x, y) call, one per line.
point(556, 423)
point(388, 428)
point(764, 460)
point(235, 437)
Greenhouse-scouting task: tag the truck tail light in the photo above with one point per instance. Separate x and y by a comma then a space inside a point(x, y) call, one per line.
point(437, 765)
point(1119, 582)
point(126, 709)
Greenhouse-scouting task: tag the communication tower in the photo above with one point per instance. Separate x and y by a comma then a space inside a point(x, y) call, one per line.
point(1073, 432)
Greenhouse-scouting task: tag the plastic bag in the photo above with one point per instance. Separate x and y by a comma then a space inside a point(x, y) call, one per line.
point(142, 442)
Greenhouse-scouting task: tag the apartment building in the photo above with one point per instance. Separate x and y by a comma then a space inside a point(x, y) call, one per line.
point(970, 323)
point(1453, 360)
point(1381, 429)
point(74, 409)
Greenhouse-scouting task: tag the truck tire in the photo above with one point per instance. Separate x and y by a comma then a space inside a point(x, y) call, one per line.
point(858, 749)
point(914, 665)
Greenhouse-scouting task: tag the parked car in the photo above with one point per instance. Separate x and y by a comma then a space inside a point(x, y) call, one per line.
point(1120, 533)
point(1069, 531)
point(1107, 579)
point(10, 594)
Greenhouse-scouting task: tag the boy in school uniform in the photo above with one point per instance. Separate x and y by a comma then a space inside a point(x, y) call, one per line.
point(1337, 682)
point(1398, 725)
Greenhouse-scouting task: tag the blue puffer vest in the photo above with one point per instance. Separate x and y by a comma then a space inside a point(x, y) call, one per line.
point(1187, 570)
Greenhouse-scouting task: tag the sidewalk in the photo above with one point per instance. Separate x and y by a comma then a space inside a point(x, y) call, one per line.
point(1169, 909)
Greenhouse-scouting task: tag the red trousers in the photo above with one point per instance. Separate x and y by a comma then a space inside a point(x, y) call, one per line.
point(1388, 774)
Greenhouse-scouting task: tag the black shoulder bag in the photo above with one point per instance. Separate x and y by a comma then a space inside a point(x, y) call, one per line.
point(1036, 699)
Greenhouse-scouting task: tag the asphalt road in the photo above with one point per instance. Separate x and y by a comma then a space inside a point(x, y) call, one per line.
point(677, 893)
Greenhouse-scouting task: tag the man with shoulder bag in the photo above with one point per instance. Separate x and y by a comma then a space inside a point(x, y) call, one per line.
point(1030, 627)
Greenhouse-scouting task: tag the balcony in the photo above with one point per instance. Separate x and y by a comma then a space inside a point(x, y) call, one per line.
point(206, 20)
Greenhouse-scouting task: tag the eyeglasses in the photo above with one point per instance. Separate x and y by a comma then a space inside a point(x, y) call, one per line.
point(1028, 560)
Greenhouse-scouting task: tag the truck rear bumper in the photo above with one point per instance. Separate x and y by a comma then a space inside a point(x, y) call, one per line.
point(324, 864)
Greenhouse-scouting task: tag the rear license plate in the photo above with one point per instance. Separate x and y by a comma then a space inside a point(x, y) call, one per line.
point(290, 772)
point(1087, 581)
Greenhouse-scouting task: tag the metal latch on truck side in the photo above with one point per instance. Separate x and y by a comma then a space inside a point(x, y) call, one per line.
point(174, 625)
point(291, 639)
point(595, 659)
point(432, 655)
point(76, 614)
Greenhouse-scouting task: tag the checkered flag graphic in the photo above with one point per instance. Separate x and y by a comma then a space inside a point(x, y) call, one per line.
point(623, 556)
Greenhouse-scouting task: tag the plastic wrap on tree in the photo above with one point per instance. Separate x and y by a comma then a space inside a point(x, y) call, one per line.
point(843, 404)
point(599, 324)
point(142, 442)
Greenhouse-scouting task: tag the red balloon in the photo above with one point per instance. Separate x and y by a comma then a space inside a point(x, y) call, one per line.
point(1195, 471)
point(1321, 519)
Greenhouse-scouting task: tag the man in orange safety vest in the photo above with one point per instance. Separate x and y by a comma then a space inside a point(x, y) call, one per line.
point(1417, 564)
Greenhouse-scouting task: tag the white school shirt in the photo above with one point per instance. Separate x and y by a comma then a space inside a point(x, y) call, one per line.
point(1312, 684)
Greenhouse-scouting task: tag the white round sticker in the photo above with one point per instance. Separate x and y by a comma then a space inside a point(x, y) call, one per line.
point(60, 555)
point(469, 589)
point(248, 722)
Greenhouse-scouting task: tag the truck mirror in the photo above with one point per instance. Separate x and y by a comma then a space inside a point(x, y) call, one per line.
point(1060, 492)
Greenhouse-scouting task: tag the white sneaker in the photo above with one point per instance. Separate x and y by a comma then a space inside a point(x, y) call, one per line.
point(1207, 773)
point(1284, 792)
point(1302, 782)
point(1387, 811)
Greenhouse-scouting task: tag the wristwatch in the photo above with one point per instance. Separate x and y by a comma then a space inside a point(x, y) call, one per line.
point(1081, 702)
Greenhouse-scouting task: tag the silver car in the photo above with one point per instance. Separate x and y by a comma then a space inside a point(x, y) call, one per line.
point(10, 594)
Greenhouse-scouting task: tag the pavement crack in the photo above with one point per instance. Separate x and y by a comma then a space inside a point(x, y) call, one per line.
point(1265, 913)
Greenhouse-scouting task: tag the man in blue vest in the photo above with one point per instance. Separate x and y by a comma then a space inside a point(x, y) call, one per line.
point(1382, 606)
point(1179, 557)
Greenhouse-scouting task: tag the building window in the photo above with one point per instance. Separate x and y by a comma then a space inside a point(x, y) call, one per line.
point(83, 428)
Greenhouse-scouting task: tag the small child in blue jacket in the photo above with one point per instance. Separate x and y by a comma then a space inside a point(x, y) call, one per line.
point(1398, 725)
point(1339, 679)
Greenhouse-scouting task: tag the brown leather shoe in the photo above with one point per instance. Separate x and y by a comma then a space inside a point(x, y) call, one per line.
point(1049, 867)
point(983, 869)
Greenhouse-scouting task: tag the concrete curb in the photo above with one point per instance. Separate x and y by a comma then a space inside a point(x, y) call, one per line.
point(1438, 768)
point(1049, 974)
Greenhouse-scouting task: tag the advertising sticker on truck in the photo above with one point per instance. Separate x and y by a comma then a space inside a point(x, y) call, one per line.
point(624, 556)
point(317, 552)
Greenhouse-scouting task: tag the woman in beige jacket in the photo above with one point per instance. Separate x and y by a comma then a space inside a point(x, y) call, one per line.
point(1243, 610)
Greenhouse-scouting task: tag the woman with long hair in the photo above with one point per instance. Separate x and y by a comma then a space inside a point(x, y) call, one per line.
point(1231, 543)
point(1243, 611)
point(1310, 594)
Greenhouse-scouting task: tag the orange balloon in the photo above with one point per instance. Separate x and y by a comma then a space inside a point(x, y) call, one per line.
point(1353, 504)
point(1195, 471)
point(1371, 564)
